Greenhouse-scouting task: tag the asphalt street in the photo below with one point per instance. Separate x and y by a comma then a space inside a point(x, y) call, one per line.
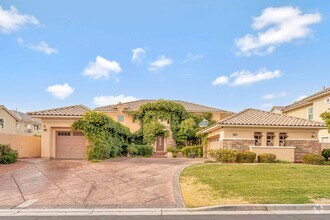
point(185, 217)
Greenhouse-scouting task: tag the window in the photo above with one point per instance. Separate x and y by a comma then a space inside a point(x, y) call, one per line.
point(283, 137)
point(257, 138)
point(120, 118)
point(2, 123)
point(270, 139)
point(310, 113)
point(36, 127)
point(325, 140)
point(17, 125)
point(327, 100)
point(63, 133)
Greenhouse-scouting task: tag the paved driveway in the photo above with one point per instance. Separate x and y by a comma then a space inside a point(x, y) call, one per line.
point(134, 182)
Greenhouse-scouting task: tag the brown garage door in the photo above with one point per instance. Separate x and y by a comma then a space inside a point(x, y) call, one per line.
point(70, 145)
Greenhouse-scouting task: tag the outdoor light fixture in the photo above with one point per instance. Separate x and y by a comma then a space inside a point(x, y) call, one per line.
point(203, 123)
point(313, 134)
point(44, 128)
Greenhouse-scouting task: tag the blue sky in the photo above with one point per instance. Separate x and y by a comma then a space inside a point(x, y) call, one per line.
point(226, 54)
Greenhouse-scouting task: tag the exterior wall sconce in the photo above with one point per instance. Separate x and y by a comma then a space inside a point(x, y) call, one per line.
point(313, 134)
point(44, 128)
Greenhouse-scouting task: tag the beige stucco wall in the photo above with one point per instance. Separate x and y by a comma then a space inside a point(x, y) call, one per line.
point(128, 120)
point(25, 145)
point(134, 126)
point(48, 136)
point(10, 122)
point(282, 153)
point(319, 106)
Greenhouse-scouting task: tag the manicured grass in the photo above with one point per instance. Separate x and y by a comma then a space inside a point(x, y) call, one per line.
point(212, 184)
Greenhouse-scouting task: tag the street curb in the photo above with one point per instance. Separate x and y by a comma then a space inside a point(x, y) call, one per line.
point(266, 207)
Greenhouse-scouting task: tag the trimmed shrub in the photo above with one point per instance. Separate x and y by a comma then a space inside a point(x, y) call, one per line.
point(140, 150)
point(266, 158)
point(246, 157)
point(192, 151)
point(224, 155)
point(326, 154)
point(144, 150)
point(7, 154)
point(313, 159)
point(132, 150)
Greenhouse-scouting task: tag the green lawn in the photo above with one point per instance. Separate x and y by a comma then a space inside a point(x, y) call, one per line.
point(212, 184)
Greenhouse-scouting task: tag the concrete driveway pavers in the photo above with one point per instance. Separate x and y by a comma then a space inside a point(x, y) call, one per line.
point(123, 182)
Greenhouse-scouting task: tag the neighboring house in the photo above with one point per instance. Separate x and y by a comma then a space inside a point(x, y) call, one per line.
point(27, 125)
point(264, 132)
point(58, 140)
point(311, 108)
point(8, 121)
point(123, 113)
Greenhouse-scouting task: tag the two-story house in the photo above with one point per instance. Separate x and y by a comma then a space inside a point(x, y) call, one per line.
point(310, 108)
point(59, 141)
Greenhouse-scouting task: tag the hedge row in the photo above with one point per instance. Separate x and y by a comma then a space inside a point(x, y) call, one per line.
point(231, 156)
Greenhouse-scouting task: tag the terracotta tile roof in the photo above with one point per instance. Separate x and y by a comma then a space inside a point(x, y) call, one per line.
point(308, 100)
point(280, 108)
point(255, 117)
point(74, 110)
point(26, 118)
point(135, 105)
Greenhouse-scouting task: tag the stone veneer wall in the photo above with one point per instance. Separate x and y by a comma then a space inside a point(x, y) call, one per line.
point(170, 142)
point(304, 147)
point(239, 145)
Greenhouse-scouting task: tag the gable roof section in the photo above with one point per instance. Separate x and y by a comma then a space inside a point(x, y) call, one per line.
point(9, 112)
point(135, 105)
point(259, 118)
point(26, 118)
point(308, 100)
point(69, 111)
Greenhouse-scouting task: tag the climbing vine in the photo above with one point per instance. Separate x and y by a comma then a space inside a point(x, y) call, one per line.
point(183, 125)
point(106, 137)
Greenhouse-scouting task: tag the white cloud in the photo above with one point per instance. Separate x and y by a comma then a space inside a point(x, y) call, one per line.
point(266, 105)
point(111, 100)
point(102, 68)
point(138, 54)
point(192, 57)
point(60, 91)
point(160, 63)
point(42, 47)
point(300, 98)
point(221, 80)
point(276, 26)
point(245, 77)
point(12, 20)
point(274, 96)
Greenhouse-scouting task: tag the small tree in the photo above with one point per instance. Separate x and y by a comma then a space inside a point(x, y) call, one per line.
point(326, 118)
point(151, 130)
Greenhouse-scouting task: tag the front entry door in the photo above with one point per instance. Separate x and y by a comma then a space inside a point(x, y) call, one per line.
point(160, 143)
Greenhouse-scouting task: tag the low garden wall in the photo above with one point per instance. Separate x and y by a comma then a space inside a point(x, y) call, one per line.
point(282, 153)
point(26, 146)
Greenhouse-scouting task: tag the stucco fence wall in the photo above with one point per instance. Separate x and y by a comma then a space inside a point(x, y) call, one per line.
point(301, 148)
point(282, 153)
point(27, 146)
